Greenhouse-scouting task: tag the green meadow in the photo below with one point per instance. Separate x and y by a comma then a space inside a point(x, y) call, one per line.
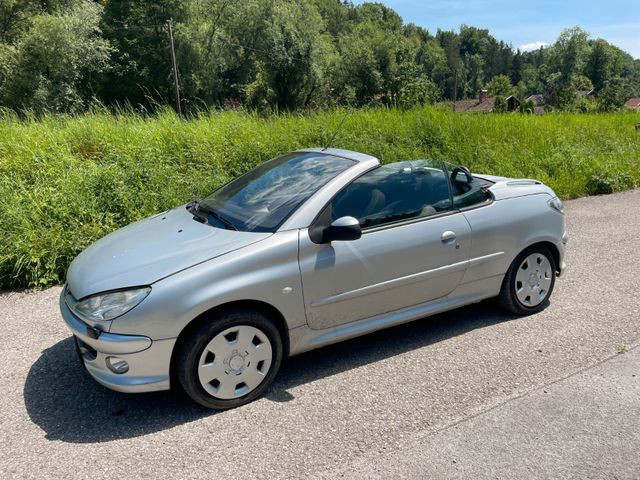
point(67, 181)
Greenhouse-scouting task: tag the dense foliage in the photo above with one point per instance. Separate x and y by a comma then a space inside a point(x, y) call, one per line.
point(65, 182)
point(275, 55)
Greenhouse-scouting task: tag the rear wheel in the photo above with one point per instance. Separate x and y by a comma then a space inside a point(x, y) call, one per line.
point(529, 282)
point(231, 360)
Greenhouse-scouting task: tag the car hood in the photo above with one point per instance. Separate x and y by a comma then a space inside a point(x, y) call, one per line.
point(149, 250)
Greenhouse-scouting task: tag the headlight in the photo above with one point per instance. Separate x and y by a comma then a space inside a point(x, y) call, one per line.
point(556, 204)
point(109, 305)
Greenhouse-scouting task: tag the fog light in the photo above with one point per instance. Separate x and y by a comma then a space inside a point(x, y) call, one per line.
point(117, 365)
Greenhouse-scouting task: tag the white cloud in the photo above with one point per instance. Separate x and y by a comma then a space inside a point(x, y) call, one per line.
point(528, 47)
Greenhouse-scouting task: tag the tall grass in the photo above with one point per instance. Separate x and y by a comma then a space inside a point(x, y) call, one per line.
point(65, 182)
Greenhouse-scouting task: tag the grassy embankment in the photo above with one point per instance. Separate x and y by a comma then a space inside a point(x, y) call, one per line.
point(66, 182)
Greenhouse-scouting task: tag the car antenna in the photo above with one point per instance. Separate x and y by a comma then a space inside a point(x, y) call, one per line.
point(335, 134)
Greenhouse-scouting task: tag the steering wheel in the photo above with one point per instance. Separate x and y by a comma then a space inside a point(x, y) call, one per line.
point(463, 186)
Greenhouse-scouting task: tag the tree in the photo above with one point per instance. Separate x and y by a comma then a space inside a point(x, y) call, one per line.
point(615, 93)
point(141, 65)
point(432, 60)
point(563, 97)
point(450, 42)
point(274, 55)
point(569, 54)
point(380, 15)
point(335, 16)
point(15, 17)
point(530, 81)
point(419, 90)
point(474, 69)
point(375, 62)
point(217, 48)
point(51, 66)
point(516, 68)
point(292, 68)
point(358, 78)
point(599, 64)
point(498, 58)
point(501, 86)
point(582, 83)
point(607, 62)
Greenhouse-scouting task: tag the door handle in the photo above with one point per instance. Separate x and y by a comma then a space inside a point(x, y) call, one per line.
point(448, 237)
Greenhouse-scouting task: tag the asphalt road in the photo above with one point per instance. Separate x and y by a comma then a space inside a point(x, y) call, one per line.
point(583, 426)
point(467, 386)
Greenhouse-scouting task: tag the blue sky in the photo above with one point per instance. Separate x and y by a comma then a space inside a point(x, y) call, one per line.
point(529, 23)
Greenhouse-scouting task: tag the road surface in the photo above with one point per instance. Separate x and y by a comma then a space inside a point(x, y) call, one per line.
point(473, 393)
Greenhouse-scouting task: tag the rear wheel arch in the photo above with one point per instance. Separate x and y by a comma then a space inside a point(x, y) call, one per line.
point(210, 315)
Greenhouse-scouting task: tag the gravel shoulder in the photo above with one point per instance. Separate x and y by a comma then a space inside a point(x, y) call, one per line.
point(345, 409)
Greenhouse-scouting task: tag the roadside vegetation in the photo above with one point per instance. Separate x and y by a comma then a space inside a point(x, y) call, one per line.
point(67, 181)
point(89, 144)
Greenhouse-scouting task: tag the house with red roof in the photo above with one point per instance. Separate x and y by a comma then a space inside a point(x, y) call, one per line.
point(633, 104)
point(484, 104)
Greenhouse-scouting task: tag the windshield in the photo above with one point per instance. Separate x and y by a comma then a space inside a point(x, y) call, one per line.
point(260, 200)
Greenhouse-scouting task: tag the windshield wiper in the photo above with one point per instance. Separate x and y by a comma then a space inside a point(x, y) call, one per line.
point(215, 214)
point(197, 209)
point(193, 209)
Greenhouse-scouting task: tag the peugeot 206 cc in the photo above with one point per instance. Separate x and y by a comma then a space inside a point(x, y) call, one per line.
point(307, 249)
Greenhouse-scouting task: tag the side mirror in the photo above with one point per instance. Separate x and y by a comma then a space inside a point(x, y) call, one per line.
point(342, 229)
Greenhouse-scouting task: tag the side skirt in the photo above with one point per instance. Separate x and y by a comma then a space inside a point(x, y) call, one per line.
point(303, 339)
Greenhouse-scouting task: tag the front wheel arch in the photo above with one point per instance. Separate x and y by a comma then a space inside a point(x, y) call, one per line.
point(210, 315)
point(551, 247)
point(508, 293)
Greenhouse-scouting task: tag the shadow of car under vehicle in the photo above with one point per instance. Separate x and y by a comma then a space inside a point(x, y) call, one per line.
point(68, 405)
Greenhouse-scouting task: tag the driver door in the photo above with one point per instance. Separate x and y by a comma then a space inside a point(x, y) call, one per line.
point(414, 247)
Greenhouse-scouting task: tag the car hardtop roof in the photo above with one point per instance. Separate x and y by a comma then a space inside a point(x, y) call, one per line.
point(363, 157)
point(338, 152)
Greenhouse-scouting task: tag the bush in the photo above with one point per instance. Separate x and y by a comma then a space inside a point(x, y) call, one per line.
point(500, 106)
point(605, 183)
point(528, 107)
point(65, 182)
point(614, 94)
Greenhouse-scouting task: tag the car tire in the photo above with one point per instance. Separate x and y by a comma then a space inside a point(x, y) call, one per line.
point(230, 360)
point(529, 282)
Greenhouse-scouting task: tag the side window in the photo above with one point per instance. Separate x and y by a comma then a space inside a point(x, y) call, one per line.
point(467, 190)
point(395, 192)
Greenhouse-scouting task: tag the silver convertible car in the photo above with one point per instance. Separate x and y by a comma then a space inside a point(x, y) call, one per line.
point(307, 249)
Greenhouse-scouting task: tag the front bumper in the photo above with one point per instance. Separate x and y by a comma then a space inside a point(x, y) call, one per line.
point(148, 360)
point(561, 249)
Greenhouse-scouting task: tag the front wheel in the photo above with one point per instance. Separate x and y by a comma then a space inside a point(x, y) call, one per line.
point(529, 282)
point(231, 360)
